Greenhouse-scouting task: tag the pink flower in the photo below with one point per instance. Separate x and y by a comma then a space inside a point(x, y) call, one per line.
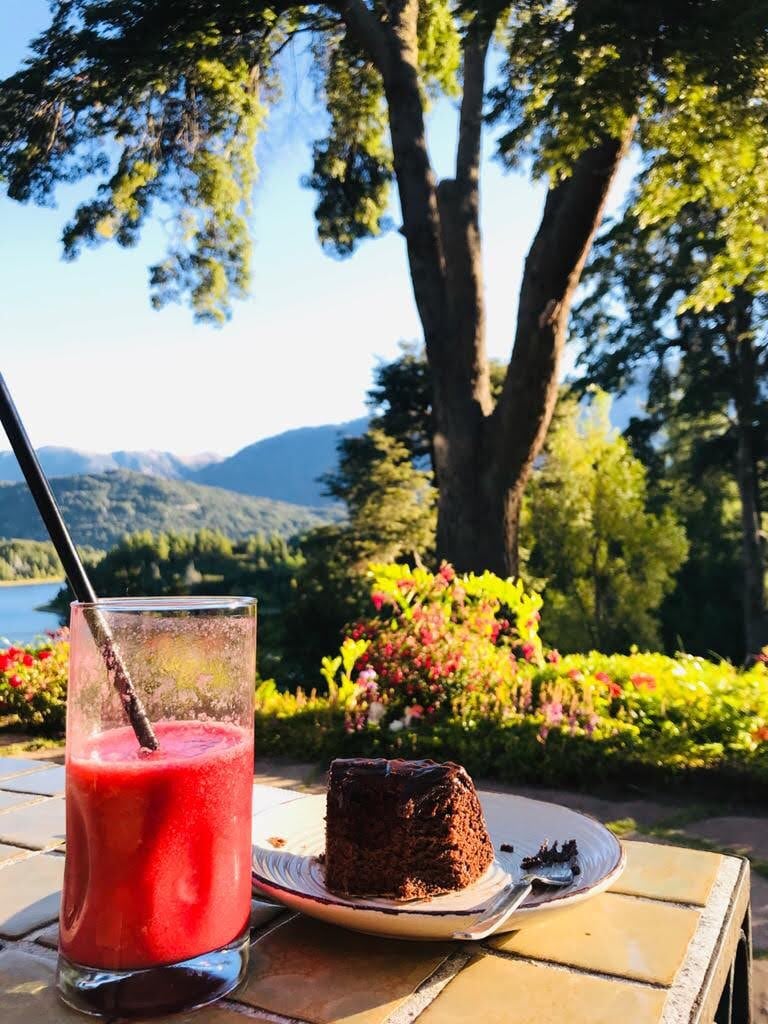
point(602, 677)
point(553, 656)
point(378, 599)
point(553, 712)
point(447, 572)
point(529, 651)
point(575, 674)
point(614, 689)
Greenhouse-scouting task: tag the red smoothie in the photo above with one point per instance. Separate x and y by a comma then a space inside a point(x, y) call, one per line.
point(158, 865)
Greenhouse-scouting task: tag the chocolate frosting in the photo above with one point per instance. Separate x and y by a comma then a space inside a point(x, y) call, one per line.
point(412, 778)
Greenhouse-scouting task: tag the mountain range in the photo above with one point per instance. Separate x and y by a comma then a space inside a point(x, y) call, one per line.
point(284, 467)
point(100, 508)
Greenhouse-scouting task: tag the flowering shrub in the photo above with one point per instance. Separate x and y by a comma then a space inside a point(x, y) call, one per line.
point(33, 685)
point(452, 666)
point(439, 643)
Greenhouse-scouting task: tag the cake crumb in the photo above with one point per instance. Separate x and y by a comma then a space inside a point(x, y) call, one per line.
point(549, 855)
point(277, 841)
point(507, 848)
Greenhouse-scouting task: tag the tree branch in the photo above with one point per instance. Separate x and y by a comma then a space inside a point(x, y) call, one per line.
point(366, 30)
point(572, 214)
point(475, 47)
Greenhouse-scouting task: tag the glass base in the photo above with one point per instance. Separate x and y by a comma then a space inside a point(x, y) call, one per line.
point(151, 991)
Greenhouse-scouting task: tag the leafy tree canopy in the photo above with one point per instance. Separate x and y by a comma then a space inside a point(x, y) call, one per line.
point(606, 561)
point(164, 100)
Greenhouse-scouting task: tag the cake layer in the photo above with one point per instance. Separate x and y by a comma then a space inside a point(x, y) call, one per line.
point(403, 828)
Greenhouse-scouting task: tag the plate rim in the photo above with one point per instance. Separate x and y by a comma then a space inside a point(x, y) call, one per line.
point(558, 896)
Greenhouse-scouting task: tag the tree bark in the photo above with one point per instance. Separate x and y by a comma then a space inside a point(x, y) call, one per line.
point(572, 214)
point(482, 457)
point(742, 358)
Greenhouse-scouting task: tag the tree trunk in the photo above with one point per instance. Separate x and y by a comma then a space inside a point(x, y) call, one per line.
point(741, 353)
point(482, 457)
point(516, 430)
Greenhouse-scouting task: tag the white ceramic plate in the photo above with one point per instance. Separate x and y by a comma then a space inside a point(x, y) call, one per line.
point(291, 874)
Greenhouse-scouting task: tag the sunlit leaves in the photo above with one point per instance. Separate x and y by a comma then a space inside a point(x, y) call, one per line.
point(352, 166)
point(607, 560)
point(713, 154)
point(439, 47)
point(168, 101)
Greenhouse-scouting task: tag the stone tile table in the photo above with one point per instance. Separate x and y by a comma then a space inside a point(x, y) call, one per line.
point(669, 944)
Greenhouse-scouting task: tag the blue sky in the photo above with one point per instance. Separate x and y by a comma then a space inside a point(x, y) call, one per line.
point(92, 366)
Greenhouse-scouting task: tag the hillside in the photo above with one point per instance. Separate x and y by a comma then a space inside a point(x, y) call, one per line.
point(100, 508)
point(284, 467)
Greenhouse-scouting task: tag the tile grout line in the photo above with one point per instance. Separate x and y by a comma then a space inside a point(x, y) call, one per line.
point(36, 798)
point(415, 1004)
point(571, 968)
point(255, 1012)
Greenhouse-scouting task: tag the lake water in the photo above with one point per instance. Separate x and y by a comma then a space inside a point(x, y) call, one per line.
point(19, 620)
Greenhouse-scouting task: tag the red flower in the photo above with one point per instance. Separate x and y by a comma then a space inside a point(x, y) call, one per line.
point(14, 652)
point(529, 651)
point(614, 689)
point(575, 674)
point(641, 679)
point(15, 681)
point(602, 677)
point(760, 735)
point(42, 655)
point(5, 662)
point(447, 572)
point(378, 599)
point(28, 660)
point(553, 656)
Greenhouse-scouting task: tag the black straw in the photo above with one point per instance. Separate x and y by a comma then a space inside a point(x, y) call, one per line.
point(73, 567)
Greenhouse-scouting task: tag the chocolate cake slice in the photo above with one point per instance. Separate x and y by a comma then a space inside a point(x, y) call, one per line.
point(404, 829)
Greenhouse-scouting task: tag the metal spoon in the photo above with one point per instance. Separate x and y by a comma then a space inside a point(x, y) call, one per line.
point(511, 896)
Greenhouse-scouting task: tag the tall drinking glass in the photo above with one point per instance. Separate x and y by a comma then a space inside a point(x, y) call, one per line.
point(157, 881)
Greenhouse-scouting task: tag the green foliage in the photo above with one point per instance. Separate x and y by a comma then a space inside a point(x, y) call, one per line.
point(702, 377)
point(439, 47)
point(164, 102)
point(100, 508)
point(33, 686)
point(205, 562)
point(390, 515)
point(181, 96)
point(34, 559)
point(723, 170)
point(511, 710)
point(577, 72)
point(438, 642)
point(390, 503)
point(605, 560)
point(352, 167)
point(507, 709)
